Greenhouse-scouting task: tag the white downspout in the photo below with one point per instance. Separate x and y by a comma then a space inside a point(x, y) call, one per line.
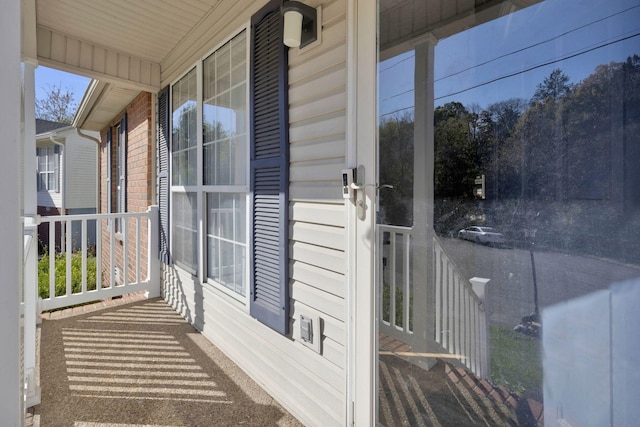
point(63, 210)
point(52, 138)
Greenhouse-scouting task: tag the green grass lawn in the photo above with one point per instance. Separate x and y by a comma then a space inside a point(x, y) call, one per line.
point(516, 360)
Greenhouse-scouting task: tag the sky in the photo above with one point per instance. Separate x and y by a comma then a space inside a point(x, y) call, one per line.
point(48, 77)
point(472, 67)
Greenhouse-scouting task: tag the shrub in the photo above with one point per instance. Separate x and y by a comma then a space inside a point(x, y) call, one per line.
point(60, 271)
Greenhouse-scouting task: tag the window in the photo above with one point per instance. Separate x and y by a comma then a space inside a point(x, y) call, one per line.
point(226, 181)
point(48, 168)
point(184, 135)
point(226, 240)
point(185, 230)
point(184, 170)
point(117, 167)
point(221, 189)
point(121, 170)
point(225, 162)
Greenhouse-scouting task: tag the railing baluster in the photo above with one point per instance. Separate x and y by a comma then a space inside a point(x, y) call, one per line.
point(406, 300)
point(467, 327)
point(99, 223)
point(52, 259)
point(392, 279)
point(437, 279)
point(125, 250)
point(68, 251)
point(137, 249)
point(112, 244)
point(83, 236)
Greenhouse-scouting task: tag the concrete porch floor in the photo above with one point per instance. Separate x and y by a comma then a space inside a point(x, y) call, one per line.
point(134, 362)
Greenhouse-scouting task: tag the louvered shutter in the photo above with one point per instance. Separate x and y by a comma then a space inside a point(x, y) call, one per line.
point(269, 258)
point(163, 173)
point(109, 170)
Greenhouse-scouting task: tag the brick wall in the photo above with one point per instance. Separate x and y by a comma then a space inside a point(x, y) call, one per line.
point(139, 185)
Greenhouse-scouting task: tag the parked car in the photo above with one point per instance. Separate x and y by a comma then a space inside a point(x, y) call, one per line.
point(481, 235)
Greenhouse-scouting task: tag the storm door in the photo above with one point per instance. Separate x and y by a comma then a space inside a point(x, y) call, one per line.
point(507, 196)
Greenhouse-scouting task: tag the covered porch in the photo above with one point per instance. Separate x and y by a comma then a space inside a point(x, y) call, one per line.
point(135, 361)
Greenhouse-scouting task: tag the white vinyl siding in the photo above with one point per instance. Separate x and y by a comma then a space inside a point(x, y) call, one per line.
point(310, 385)
point(76, 173)
point(81, 156)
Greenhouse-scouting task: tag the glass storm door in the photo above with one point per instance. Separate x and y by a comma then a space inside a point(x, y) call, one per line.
point(508, 209)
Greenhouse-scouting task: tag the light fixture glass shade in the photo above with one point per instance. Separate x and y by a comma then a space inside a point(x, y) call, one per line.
point(292, 28)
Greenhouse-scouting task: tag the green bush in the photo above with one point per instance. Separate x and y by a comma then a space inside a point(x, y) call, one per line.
point(61, 271)
point(399, 312)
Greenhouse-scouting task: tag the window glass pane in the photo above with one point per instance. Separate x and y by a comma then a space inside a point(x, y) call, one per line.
point(51, 183)
point(46, 168)
point(226, 245)
point(184, 132)
point(510, 137)
point(185, 230)
point(224, 114)
point(223, 69)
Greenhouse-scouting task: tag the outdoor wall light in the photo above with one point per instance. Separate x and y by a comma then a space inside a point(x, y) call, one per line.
point(300, 24)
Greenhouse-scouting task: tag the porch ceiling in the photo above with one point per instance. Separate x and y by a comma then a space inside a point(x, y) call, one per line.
point(121, 43)
point(132, 46)
point(117, 39)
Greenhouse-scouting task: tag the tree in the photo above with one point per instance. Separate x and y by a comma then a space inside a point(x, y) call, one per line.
point(57, 105)
point(499, 154)
point(553, 87)
point(396, 169)
point(456, 151)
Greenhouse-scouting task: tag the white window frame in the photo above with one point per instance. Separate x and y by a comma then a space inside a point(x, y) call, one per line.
point(201, 189)
point(49, 152)
point(121, 174)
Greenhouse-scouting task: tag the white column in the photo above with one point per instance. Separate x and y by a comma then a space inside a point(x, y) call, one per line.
point(423, 198)
point(30, 210)
point(29, 201)
point(11, 403)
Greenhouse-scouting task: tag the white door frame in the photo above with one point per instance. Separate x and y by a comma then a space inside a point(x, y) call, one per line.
point(361, 150)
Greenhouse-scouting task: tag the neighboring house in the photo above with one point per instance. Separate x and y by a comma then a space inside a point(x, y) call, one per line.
point(66, 174)
point(265, 164)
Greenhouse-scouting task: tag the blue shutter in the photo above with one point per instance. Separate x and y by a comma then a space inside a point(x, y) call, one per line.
point(109, 170)
point(269, 163)
point(163, 173)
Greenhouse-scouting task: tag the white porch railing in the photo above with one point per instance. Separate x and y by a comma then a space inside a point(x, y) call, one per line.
point(460, 315)
point(394, 274)
point(125, 268)
point(461, 326)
